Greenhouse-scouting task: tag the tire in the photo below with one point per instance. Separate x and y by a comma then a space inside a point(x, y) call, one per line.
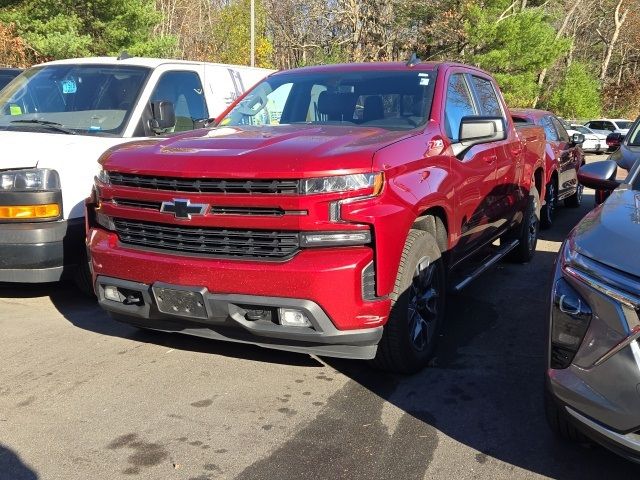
point(558, 421)
point(417, 312)
point(83, 278)
point(548, 211)
point(527, 232)
point(575, 200)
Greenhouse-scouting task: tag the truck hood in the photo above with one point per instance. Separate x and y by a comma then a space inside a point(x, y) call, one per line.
point(75, 157)
point(611, 233)
point(286, 151)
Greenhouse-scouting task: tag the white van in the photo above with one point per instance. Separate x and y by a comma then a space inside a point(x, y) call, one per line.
point(58, 118)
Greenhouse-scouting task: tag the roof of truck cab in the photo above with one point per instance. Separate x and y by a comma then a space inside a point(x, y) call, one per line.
point(532, 113)
point(132, 61)
point(378, 66)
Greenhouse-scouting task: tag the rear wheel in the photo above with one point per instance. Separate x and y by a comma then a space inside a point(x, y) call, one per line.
point(548, 211)
point(575, 200)
point(527, 232)
point(417, 312)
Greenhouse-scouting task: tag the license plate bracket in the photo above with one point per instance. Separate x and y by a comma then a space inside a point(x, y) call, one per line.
point(181, 301)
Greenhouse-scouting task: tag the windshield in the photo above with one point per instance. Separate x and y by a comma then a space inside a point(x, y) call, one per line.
point(83, 99)
point(580, 128)
point(624, 124)
point(394, 100)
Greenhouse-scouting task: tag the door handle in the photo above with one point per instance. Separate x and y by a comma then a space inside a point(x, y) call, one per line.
point(491, 159)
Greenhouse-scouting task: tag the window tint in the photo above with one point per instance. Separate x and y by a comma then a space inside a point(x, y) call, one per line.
point(562, 132)
point(595, 125)
point(487, 98)
point(392, 100)
point(549, 129)
point(459, 104)
point(184, 90)
point(608, 126)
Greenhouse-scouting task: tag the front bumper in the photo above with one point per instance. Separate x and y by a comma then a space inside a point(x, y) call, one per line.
point(600, 390)
point(39, 251)
point(225, 319)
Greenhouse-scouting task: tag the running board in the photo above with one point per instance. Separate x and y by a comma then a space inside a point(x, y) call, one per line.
point(499, 254)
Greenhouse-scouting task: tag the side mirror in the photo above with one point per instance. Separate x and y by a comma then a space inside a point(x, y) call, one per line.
point(599, 175)
point(477, 130)
point(163, 117)
point(577, 138)
point(615, 139)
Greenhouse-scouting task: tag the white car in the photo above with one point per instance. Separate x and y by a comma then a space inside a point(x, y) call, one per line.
point(593, 142)
point(58, 118)
point(606, 126)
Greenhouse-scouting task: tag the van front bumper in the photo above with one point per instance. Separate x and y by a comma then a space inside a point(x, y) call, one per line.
point(37, 252)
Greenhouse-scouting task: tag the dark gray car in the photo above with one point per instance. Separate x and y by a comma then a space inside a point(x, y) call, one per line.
point(593, 364)
point(629, 147)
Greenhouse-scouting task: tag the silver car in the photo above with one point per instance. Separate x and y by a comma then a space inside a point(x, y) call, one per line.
point(593, 363)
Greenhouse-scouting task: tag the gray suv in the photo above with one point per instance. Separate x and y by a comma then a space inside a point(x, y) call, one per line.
point(593, 363)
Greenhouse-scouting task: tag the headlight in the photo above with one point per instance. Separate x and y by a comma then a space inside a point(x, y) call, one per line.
point(614, 322)
point(344, 183)
point(30, 180)
point(103, 176)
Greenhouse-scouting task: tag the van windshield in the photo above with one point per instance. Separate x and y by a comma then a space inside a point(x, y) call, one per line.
point(393, 100)
point(79, 99)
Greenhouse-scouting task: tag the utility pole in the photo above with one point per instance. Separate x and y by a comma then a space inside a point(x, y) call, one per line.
point(253, 33)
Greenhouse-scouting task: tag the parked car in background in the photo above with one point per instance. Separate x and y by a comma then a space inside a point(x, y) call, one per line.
point(58, 118)
point(628, 151)
point(324, 215)
point(593, 142)
point(593, 360)
point(8, 74)
point(563, 159)
point(606, 126)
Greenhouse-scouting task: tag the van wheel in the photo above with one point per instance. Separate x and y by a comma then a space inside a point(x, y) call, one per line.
point(527, 232)
point(417, 312)
point(575, 200)
point(548, 211)
point(83, 278)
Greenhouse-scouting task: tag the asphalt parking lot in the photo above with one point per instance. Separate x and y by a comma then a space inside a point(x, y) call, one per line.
point(83, 397)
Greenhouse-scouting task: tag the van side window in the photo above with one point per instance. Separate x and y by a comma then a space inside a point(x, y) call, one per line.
point(459, 104)
point(487, 99)
point(185, 91)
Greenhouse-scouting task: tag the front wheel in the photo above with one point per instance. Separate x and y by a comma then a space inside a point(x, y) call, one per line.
point(575, 200)
point(417, 312)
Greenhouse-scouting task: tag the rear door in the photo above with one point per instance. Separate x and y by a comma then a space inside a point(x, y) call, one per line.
point(507, 153)
point(569, 160)
point(475, 172)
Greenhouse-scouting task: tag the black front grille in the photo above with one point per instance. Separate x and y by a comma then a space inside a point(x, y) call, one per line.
point(125, 202)
point(202, 185)
point(270, 212)
point(264, 244)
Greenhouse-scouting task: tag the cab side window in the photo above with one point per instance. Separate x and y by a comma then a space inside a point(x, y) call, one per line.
point(608, 126)
point(185, 91)
point(459, 104)
point(549, 129)
point(562, 132)
point(487, 99)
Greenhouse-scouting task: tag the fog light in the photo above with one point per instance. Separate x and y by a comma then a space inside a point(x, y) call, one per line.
point(293, 318)
point(112, 293)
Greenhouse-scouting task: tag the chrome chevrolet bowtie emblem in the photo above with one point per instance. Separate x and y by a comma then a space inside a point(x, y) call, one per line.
point(183, 208)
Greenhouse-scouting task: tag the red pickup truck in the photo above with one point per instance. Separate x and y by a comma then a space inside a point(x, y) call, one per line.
point(327, 212)
point(563, 159)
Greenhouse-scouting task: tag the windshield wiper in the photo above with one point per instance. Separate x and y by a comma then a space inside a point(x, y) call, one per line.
point(46, 123)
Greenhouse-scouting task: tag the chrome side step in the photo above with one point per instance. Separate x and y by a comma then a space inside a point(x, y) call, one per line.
point(498, 255)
